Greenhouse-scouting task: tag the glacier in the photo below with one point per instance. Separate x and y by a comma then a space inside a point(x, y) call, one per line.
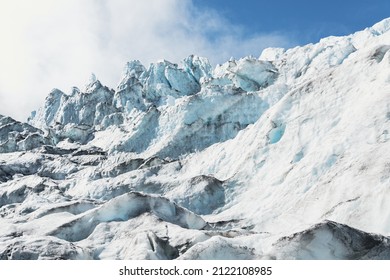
point(284, 156)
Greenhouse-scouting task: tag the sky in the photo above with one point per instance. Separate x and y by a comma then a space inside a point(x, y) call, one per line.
point(48, 44)
point(303, 21)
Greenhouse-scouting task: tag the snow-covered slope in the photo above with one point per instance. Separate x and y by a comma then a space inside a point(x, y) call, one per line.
point(286, 156)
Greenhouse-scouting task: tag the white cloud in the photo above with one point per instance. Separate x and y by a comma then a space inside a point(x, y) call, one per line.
point(47, 44)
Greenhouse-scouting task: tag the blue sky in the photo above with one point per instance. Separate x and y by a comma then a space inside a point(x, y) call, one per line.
point(304, 21)
point(50, 44)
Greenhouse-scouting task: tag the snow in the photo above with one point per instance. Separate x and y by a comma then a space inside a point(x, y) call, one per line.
point(281, 157)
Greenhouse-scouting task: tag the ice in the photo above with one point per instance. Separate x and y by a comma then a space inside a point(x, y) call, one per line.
point(92, 79)
point(48, 248)
point(198, 67)
point(276, 133)
point(125, 207)
point(281, 157)
point(168, 79)
point(201, 194)
point(329, 241)
point(218, 248)
point(17, 136)
point(247, 73)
